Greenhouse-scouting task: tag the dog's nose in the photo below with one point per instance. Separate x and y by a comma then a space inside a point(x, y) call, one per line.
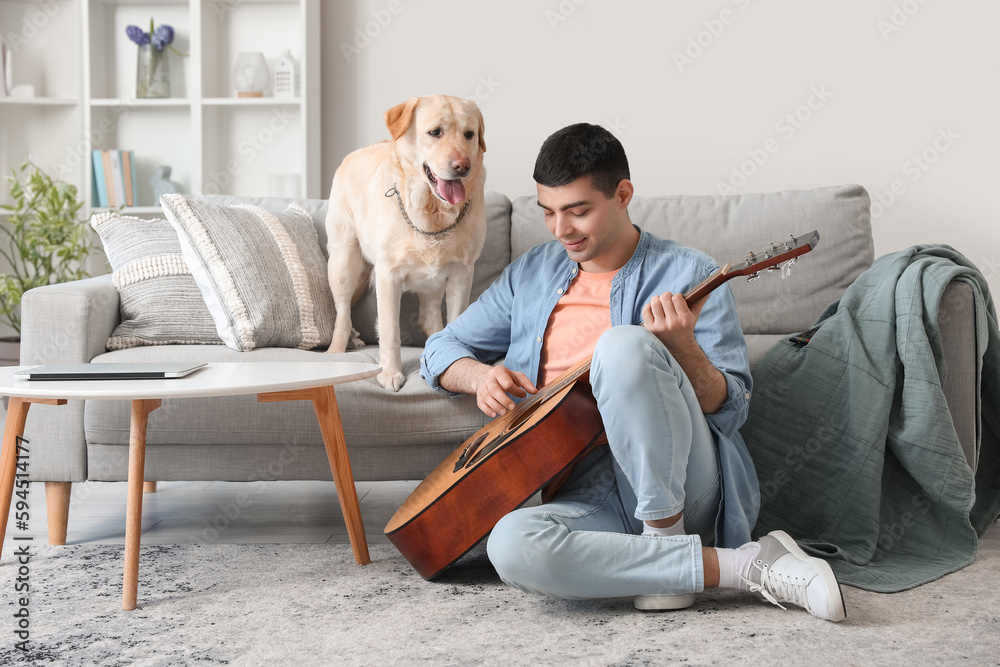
point(461, 167)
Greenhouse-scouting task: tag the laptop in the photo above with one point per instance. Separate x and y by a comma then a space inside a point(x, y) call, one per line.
point(125, 371)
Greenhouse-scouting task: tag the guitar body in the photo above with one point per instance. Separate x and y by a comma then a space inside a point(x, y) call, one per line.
point(517, 454)
point(507, 461)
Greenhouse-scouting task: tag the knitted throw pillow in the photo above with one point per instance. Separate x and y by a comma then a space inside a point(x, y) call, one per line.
point(262, 275)
point(160, 303)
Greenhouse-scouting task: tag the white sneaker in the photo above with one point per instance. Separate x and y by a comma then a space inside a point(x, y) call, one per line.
point(782, 572)
point(663, 601)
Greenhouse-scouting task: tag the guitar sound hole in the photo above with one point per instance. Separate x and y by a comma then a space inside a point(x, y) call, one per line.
point(469, 451)
point(523, 417)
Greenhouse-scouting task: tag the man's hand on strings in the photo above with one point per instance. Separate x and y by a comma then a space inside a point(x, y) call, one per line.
point(497, 385)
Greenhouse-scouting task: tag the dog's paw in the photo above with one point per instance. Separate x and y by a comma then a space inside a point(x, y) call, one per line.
point(356, 343)
point(390, 380)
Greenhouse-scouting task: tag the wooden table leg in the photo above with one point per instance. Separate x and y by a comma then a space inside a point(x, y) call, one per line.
point(13, 430)
point(57, 497)
point(17, 414)
point(133, 513)
point(328, 413)
point(324, 401)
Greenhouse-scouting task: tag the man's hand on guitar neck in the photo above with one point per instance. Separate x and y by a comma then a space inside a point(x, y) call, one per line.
point(492, 385)
point(671, 319)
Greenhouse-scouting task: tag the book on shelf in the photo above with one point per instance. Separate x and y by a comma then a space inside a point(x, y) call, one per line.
point(114, 178)
point(99, 193)
point(3, 68)
point(133, 199)
point(116, 170)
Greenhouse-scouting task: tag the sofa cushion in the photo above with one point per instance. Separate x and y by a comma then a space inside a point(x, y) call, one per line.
point(262, 274)
point(159, 302)
point(726, 227)
point(416, 415)
point(489, 266)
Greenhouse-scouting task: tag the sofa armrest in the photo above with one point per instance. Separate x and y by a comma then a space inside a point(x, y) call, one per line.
point(66, 323)
point(956, 319)
point(69, 322)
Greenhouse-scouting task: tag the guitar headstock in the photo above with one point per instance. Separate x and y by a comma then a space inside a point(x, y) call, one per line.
point(776, 255)
point(773, 256)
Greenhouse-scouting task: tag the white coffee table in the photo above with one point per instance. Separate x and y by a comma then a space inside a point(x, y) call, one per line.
point(271, 381)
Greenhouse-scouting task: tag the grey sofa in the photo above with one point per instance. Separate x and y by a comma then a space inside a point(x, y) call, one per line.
point(404, 435)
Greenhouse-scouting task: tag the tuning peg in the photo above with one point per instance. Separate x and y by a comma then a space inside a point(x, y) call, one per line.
point(786, 268)
point(753, 276)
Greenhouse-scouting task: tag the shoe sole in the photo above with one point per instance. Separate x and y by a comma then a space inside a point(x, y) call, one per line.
point(833, 613)
point(663, 602)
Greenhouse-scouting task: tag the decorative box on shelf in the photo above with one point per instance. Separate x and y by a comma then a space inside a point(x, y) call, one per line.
point(286, 76)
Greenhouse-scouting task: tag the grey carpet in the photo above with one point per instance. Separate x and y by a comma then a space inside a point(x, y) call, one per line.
point(311, 605)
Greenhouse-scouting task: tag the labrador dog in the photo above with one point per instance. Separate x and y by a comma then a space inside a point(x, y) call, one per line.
point(409, 214)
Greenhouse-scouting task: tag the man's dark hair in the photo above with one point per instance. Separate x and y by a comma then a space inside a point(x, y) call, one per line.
point(582, 150)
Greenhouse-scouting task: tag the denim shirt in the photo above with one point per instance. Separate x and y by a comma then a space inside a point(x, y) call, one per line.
point(508, 322)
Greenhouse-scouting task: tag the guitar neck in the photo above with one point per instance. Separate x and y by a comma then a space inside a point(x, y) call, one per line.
point(706, 286)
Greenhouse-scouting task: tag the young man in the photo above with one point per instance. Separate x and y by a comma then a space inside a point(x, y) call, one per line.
point(672, 384)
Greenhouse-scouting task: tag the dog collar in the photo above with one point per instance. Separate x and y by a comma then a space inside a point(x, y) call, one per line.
point(394, 192)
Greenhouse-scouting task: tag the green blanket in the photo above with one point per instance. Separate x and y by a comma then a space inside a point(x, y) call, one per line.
point(854, 446)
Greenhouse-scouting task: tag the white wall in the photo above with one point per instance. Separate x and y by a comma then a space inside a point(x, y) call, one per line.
point(903, 94)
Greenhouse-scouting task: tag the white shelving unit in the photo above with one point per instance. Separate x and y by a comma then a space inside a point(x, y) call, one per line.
point(46, 39)
point(83, 68)
point(213, 141)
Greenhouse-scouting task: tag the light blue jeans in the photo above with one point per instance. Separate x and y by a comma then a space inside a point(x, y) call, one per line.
point(587, 542)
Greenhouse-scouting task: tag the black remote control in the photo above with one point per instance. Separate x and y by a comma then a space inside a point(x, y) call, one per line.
point(804, 337)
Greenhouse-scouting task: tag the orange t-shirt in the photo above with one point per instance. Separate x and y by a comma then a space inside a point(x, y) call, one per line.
point(578, 320)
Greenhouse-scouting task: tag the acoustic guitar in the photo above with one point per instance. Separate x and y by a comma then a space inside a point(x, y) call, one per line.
point(507, 461)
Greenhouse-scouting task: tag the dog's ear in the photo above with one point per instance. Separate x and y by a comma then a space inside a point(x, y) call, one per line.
point(482, 133)
point(398, 118)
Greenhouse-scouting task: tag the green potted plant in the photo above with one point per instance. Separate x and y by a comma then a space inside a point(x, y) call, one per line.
point(46, 243)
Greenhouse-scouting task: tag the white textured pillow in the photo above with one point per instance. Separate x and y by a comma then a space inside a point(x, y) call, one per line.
point(160, 303)
point(262, 274)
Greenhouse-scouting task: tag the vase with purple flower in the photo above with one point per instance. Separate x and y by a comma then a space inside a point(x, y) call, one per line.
point(152, 77)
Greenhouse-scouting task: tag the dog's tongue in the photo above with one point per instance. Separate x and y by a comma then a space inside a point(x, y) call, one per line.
point(452, 191)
